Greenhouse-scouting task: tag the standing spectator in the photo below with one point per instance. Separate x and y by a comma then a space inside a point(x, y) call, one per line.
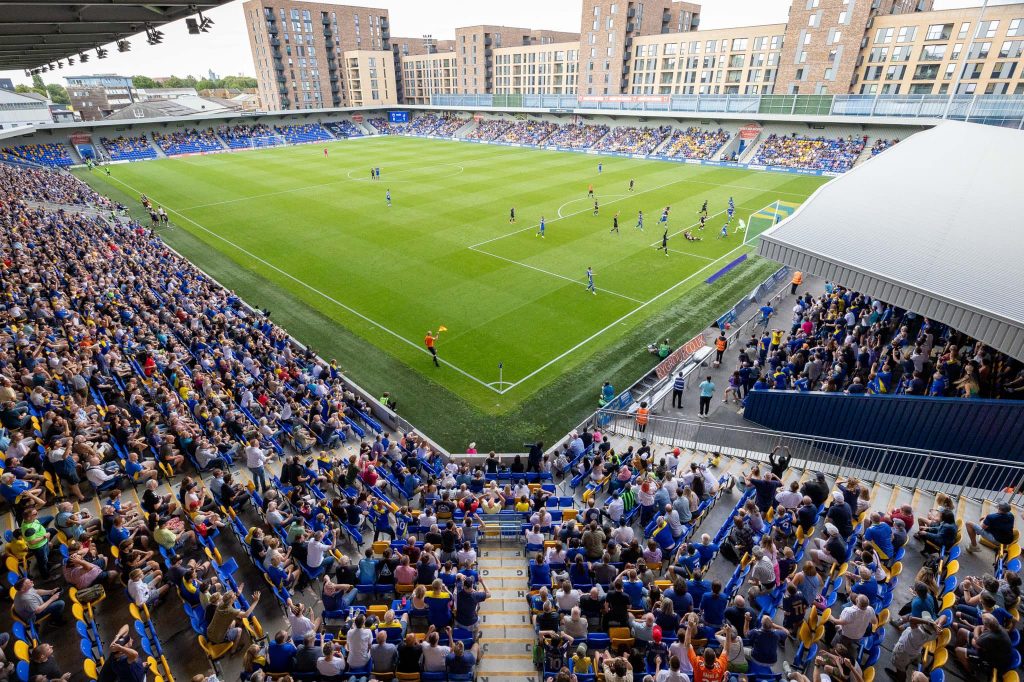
point(255, 459)
point(707, 391)
point(907, 652)
point(853, 623)
point(678, 386)
point(996, 528)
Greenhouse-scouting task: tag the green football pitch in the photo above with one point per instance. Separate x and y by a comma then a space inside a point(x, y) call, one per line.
point(527, 345)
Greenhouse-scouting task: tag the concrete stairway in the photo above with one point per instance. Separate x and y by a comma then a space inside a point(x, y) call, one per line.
point(506, 633)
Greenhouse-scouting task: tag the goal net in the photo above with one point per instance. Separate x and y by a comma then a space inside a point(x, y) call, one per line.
point(766, 218)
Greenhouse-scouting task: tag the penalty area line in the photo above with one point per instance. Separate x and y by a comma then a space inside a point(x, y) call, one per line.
point(327, 297)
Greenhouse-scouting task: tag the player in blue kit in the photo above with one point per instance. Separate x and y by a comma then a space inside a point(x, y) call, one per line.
point(387, 195)
point(590, 281)
point(639, 221)
point(540, 228)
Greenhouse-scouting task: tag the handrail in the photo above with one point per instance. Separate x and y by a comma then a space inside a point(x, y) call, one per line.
point(950, 472)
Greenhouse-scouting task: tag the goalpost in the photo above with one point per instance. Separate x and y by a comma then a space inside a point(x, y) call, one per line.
point(766, 218)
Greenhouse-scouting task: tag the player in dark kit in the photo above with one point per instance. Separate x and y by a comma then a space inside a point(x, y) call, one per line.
point(704, 209)
point(631, 184)
point(512, 215)
point(595, 206)
point(615, 223)
point(664, 241)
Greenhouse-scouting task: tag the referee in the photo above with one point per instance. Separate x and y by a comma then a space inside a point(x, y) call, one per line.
point(429, 341)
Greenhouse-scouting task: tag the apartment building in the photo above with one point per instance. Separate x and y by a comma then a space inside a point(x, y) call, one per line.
point(608, 29)
point(299, 50)
point(945, 51)
point(96, 97)
point(549, 69)
point(634, 48)
point(475, 48)
point(733, 61)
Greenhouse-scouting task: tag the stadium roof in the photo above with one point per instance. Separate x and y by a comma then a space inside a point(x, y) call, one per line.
point(931, 225)
point(34, 33)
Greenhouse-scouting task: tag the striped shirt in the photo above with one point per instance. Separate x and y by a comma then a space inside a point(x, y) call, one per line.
point(679, 384)
point(628, 500)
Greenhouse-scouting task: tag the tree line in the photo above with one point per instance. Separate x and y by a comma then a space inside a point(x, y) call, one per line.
point(58, 94)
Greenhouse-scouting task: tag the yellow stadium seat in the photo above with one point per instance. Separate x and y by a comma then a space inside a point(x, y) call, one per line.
point(214, 651)
point(941, 656)
point(21, 649)
point(379, 547)
point(407, 677)
point(948, 600)
point(869, 674)
point(943, 639)
point(89, 667)
point(896, 570)
point(952, 568)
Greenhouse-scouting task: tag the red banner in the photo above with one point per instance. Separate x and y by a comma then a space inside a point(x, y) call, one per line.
point(750, 131)
point(679, 356)
point(357, 118)
point(80, 138)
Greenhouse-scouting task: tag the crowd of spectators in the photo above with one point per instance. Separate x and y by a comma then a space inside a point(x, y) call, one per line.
point(696, 143)
point(489, 129)
point(528, 132)
point(29, 184)
point(577, 135)
point(188, 141)
point(836, 155)
point(245, 136)
point(842, 341)
point(343, 129)
point(307, 132)
point(440, 125)
point(126, 365)
point(384, 127)
point(132, 148)
point(45, 153)
point(633, 585)
point(881, 144)
point(634, 139)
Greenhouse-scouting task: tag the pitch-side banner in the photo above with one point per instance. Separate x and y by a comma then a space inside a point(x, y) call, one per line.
point(679, 355)
point(632, 99)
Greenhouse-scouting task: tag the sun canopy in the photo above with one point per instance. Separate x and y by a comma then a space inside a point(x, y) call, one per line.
point(932, 225)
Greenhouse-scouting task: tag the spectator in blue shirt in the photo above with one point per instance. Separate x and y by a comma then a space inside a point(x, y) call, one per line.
point(995, 529)
point(765, 641)
point(879, 536)
point(279, 653)
point(713, 605)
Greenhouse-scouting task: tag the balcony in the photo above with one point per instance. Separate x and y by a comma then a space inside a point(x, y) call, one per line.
point(384, 24)
point(327, 32)
point(324, 19)
point(631, 13)
point(274, 42)
point(630, 27)
point(280, 77)
point(488, 41)
point(625, 69)
point(488, 53)
point(272, 29)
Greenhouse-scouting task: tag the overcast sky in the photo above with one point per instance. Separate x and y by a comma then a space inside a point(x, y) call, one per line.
point(225, 48)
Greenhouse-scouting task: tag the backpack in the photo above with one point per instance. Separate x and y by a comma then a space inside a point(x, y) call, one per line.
point(91, 594)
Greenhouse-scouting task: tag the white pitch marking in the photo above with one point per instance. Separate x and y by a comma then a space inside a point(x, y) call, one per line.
point(295, 279)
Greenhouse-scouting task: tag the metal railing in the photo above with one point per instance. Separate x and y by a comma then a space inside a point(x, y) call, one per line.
point(951, 473)
point(1002, 110)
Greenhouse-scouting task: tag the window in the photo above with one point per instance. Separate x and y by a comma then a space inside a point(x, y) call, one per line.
point(1016, 28)
point(979, 51)
point(812, 4)
point(836, 37)
point(938, 32)
point(933, 53)
point(901, 53)
point(830, 74)
point(921, 89)
point(739, 44)
point(987, 29)
point(873, 73)
point(964, 28)
point(611, 22)
point(614, 8)
point(957, 49)
point(895, 73)
point(1004, 69)
point(926, 72)
point(878, 54)
point(802, 57)
point(842, 17)
point(1011, 49)
point(597, 11)
point(950, 70)
point(670, 48)
point(799, 74)
point(759, 42)
point(906, 34)
point(883, 35)
point(971, 71)
point(996, 88)
point(807, 39)
point(776, 43)
point(812, 21)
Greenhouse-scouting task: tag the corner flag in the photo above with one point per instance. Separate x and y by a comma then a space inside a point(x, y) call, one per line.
point(442, 328)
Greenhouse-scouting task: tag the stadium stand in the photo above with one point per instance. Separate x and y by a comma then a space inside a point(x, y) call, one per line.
point(489, 130)
point(308, 132)
point(528, 132)
point(801, 355)
point(836, 154)
point(577, 135)
point(47, 154)
point(383, 127)
point(639, 558)
point(694, 143)
point(881, 144)
point(128, 148)
point(248, 136)
point(188, 141)
point(343, 129)
point(633, 140)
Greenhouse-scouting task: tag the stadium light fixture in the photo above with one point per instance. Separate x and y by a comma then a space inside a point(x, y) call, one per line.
point(101, 53)
point(83, 57)
point(71, 61)
point(153, 36)
point(202, 25)
point(60, 64)
point(124, 46)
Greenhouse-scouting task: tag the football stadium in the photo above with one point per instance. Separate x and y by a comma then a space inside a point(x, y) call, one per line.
point(646, 352)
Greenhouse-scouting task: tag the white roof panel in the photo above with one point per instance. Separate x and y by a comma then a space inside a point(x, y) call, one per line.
point(932, 225)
